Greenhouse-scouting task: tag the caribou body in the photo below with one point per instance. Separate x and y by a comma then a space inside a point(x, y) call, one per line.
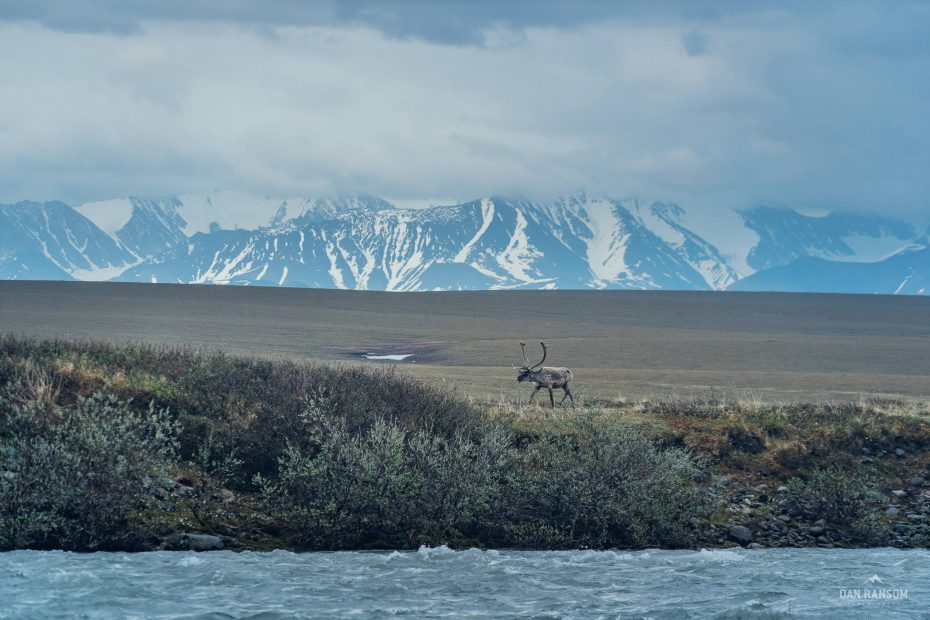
point(549, 377)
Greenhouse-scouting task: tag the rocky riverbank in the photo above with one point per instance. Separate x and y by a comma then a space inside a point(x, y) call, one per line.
point(763, 518)
point(755, 517)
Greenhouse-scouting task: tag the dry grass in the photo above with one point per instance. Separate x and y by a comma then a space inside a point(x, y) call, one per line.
point(779, 439)
point(621, 344)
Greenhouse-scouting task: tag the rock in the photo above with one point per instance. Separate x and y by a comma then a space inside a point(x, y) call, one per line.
point(817, 530)
point(185, 491)
point(899, 492)
point(169, 507)
point(8, 475)
point(755, 545)
point(874, 496)
point(820, 522)
point(784, 518)
point(697, 475)
point(898, 452)
point(225, 495)
point(184, 541)
point(916, 481)
point(913, 516)
point(782, 489)
point(892, 511)
point(867, 459)
point(740, 534)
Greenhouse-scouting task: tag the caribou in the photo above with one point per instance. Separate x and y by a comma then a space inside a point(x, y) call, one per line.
point(549, 377)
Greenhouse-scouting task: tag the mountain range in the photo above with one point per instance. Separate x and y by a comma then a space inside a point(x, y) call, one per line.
point(498, 242)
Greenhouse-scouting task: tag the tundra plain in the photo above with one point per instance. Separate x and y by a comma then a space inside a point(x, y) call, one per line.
point(621, 345)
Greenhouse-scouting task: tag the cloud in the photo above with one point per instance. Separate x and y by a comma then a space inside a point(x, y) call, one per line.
point(695, 43)
point(707, 105)
point(438, 21)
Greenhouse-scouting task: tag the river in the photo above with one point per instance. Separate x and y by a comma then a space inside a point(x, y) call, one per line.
point(438, 583)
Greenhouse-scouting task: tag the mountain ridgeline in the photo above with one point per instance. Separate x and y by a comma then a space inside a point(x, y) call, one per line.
point(364, 242)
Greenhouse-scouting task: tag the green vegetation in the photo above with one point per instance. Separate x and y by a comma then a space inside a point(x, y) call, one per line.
point(127, 447)
point(72, 475)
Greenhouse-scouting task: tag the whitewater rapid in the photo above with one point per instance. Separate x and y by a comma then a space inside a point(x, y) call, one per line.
point(440, 583)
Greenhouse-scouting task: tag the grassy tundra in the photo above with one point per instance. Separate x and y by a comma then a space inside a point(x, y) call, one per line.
point(619, 344)
point(137, 447)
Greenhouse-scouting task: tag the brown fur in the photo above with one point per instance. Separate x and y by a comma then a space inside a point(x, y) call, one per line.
point(549, 377)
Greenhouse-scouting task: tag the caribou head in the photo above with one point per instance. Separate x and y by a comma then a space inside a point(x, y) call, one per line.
point(548, 377)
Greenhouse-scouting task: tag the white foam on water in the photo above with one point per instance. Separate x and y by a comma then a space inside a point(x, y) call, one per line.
point(190, 560)
point(431, 552)
point(393, 357)
point(722, 555)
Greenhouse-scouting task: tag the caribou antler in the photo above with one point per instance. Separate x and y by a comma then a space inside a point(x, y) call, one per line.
point(523, 348)
point(545, 348)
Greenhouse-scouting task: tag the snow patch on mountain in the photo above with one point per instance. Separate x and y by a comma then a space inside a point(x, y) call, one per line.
point(108, 215)
point(866, 248)
point(363, 242)
point(607, 242)
point(786, 235)
point(487, 215)
point(518, 255)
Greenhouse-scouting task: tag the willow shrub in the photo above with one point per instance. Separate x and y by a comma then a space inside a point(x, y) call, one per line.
point(830, 493)
point(70, 477)
point(600, 481)
point(245, 408)
point(386, 486)
point(591, 482)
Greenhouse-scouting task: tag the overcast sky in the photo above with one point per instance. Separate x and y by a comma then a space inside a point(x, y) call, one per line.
point(718, 105)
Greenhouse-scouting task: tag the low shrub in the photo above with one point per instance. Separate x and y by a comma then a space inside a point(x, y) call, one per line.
point(71, 476)
point(829, 493)
point(247, 405)
point(600, 481)
point(386, 486)
point(594, 481)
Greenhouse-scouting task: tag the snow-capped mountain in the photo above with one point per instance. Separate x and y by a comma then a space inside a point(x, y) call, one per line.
point(364, 242)
point(150, 226)
point(905, 272)
point(490, 243)
point(786, 235)
point(52, 241)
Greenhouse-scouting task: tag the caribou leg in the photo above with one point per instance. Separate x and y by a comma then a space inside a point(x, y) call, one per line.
point(568, 394)
point(551, 398)
point(533, 395)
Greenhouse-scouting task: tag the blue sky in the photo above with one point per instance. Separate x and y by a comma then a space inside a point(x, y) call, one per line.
point(716, 105)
